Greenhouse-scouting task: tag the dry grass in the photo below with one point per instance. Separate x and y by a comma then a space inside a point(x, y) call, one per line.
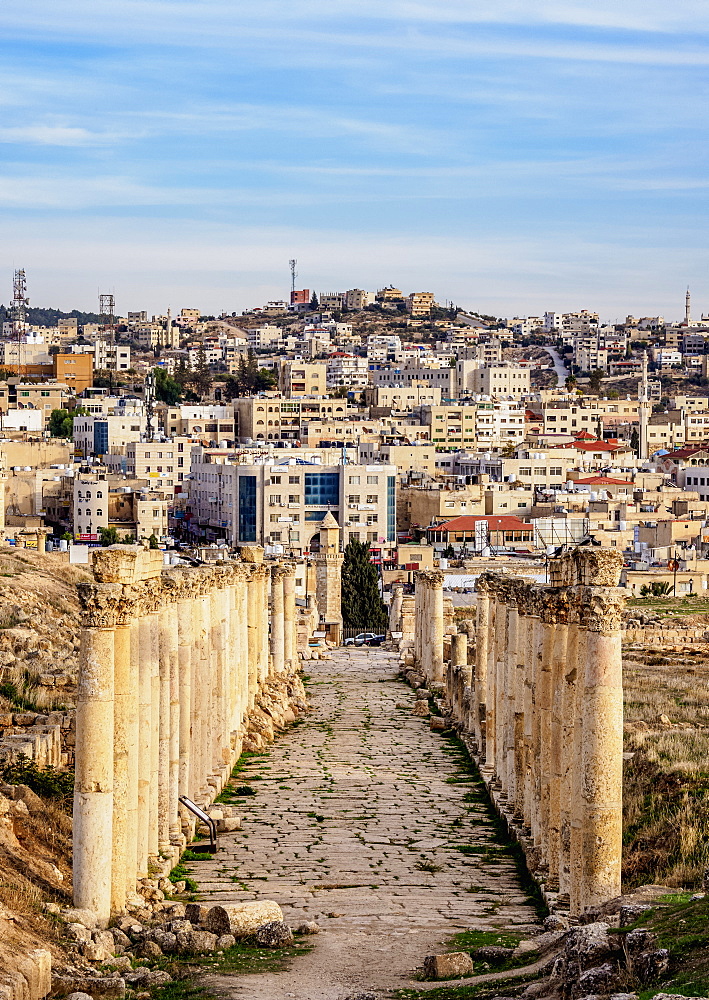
point(666, 784)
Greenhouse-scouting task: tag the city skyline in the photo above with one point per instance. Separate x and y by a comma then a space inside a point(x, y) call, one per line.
point(509, 160)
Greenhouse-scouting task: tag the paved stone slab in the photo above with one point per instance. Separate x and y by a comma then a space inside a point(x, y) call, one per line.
point(353, 815)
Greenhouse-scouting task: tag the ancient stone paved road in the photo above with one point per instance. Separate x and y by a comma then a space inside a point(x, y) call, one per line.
point(352, 804)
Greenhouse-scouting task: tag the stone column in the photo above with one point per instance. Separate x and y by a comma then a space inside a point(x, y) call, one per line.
point(491, 683)
point(501, 634)
point(185, 643)
point(153, 790)
point(253, 611)
point(482, 639)
point(575, 775)
point(558, 669)
point(174, 827)
point(93, 789)
point(164, 736)
point(510, 677)
point(397, 594)
point(145, 723)
point(124, 769)
point(568, 726)
point(602, 748)
point(277, 621)
point(548, 641)
point(127, 616)
point(529, 721)
point(289, 619)
point(518, 754)
point(436, 625)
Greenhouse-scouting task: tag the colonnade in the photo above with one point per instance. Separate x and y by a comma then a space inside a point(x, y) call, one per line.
point(171, 663)
point(539, 700)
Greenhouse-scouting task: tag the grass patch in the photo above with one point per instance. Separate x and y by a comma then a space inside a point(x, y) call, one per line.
point(190, 855)
point(180, 874)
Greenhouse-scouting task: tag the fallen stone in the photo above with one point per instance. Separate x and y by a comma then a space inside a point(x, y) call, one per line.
point(79, 996)
point(639, 940)
point(493, 953)
point(629, 914)
point(165, 940)
point(195, 941)
point(196, 913)
point(150, 977)
point(447, 966)
point(86, 917)
point(600, 979)
point(228, 824)
point(150, 949)
point(438, 723)
point(176, 926)
point(106, 987)
point(120, 937)
point(77, 932)
point(588, 945)
point(538, 945)
point(555, 922)
point(274, 934)
point(225, 941)
point(94, 952)
point(241, 919)
point(420, 708)
point(120, 963)
point(651, 964)
point(308, 927)
point(175, 911)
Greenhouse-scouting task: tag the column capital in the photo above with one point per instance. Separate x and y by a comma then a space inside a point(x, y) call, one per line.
point(99, 604)
point(601, 609)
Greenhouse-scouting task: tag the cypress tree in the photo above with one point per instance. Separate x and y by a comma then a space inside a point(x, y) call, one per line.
point(362, 607)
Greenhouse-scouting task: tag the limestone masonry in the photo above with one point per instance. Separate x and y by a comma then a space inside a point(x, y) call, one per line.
point(171, 664)
point(541, 707)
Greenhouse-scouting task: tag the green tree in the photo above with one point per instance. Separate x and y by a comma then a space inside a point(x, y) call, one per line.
point(153, 542)
point(314, 304)
point(167, 389)
point(61, 422)
point(362, 607)
point(595, 378)
point(570, 381)
point(635, 440)
point(108, 536)
point(201, 377)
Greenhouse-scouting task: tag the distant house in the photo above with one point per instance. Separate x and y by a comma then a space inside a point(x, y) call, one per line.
point(471, 532)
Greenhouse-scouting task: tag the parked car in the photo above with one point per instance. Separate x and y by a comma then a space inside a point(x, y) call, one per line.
point(376, 640)
point(361, 639)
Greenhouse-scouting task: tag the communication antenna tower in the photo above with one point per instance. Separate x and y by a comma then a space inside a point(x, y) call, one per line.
point(293, 273)
point(149, 394)
point(18, 310)
point(107, 310)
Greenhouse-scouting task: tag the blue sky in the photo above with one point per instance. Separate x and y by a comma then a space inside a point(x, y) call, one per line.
point(509, 156)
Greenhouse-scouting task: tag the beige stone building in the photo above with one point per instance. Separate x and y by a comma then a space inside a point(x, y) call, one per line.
point(420, 303)
point(420, 506)
point(501, 381)
point(303, 378)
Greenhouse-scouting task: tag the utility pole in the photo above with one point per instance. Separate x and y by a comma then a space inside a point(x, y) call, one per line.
point(149, 393)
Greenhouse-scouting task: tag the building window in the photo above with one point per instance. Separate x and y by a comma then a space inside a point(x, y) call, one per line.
point(354, 480)
point(247, 508)
point(372, 480)
point(322, 488)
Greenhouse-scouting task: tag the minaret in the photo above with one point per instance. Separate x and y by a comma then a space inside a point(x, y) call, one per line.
point(644, 409)
point(687, 309)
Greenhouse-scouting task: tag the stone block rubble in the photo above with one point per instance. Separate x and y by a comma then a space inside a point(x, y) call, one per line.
point(540, 707)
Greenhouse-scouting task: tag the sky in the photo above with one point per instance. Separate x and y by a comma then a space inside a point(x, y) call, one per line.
point(511, 156)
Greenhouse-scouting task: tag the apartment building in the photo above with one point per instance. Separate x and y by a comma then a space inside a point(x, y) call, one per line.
point(357, 298)
point(164, 464)
point(346, 371)
point(75, 370)
point(272, 418)
point(421, 506)
point(284, 502)
point(99, 503)
point(420, 303)
point(399, 397)
point(502, 381)
point(43, 396)
point(99, 434)
point(211, 423)
point(407, 458)
point(302, 378)
point(487, 425)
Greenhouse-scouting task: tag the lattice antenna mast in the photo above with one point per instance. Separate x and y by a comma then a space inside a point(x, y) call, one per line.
point(20, 305)
point(149, 395)
point(107, 310)
point(293, 273)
